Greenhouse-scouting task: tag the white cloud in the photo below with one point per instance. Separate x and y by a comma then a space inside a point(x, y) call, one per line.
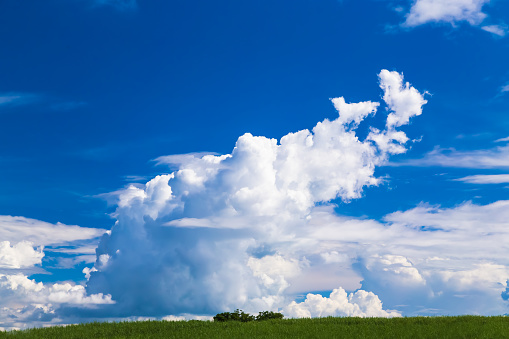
point(500, 30)
point(253, 228)
point(507, 138)
point(24, 239)
point(486, 179)
point(504, 89)
point(207, 237)
point(403, 100)
point(497, 157)
point(19, 255)
point(52, 293)
point(458, 258)
point(273, 270)
point(449, 11)
point(26, 303)
point(339, 304)
point(40, 233)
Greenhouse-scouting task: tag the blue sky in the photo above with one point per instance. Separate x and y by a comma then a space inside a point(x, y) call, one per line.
point(94, 95)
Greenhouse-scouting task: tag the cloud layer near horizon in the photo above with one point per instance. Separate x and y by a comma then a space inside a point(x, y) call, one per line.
point(25, 302)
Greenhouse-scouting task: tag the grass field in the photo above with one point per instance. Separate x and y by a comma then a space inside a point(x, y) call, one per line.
point(418, 327)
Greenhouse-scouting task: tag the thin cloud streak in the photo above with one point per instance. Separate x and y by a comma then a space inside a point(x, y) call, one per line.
point(485, 179)
point(499, 30)
point(494, 158)
point(16, 99)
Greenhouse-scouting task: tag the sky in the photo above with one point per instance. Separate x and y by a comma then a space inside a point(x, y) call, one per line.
point(177, 159)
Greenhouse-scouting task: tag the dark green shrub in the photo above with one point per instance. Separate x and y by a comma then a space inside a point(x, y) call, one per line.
point(239, 315)
point(266, 315)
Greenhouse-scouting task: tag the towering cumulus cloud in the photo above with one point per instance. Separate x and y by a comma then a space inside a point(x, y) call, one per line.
point(239, 230)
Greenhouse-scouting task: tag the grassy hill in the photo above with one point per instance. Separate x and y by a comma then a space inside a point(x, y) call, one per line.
point(415, 327)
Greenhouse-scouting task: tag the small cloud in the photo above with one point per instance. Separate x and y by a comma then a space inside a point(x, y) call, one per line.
point(450, 12)
point(499, 30)
point(504, 89)
point(502, 139)
point(135, 178)
point(446, 11)
point(399, 9)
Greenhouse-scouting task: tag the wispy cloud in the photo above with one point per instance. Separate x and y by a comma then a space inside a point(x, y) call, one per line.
point(502, 139)
point(504, 89)
point(486, 179)
point(16, 99)
point(497, 157)
point(40, 233)
point(500, 30)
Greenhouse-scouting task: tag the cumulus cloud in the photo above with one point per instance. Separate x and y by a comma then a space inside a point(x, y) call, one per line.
point(255, 228)
point(228, 231)
point(19, 255)
point(25, 303)
point(449, 11)
point(403, 100)
point(20, 234)
point(339, 304)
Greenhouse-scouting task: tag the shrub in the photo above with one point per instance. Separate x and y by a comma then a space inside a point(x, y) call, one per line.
point(239, 315)
point(266, 315)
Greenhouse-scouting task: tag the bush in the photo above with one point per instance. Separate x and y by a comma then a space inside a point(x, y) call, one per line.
point(239, 315)
point(266, 315)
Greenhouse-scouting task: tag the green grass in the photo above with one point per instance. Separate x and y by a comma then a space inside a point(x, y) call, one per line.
point(418, 327)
